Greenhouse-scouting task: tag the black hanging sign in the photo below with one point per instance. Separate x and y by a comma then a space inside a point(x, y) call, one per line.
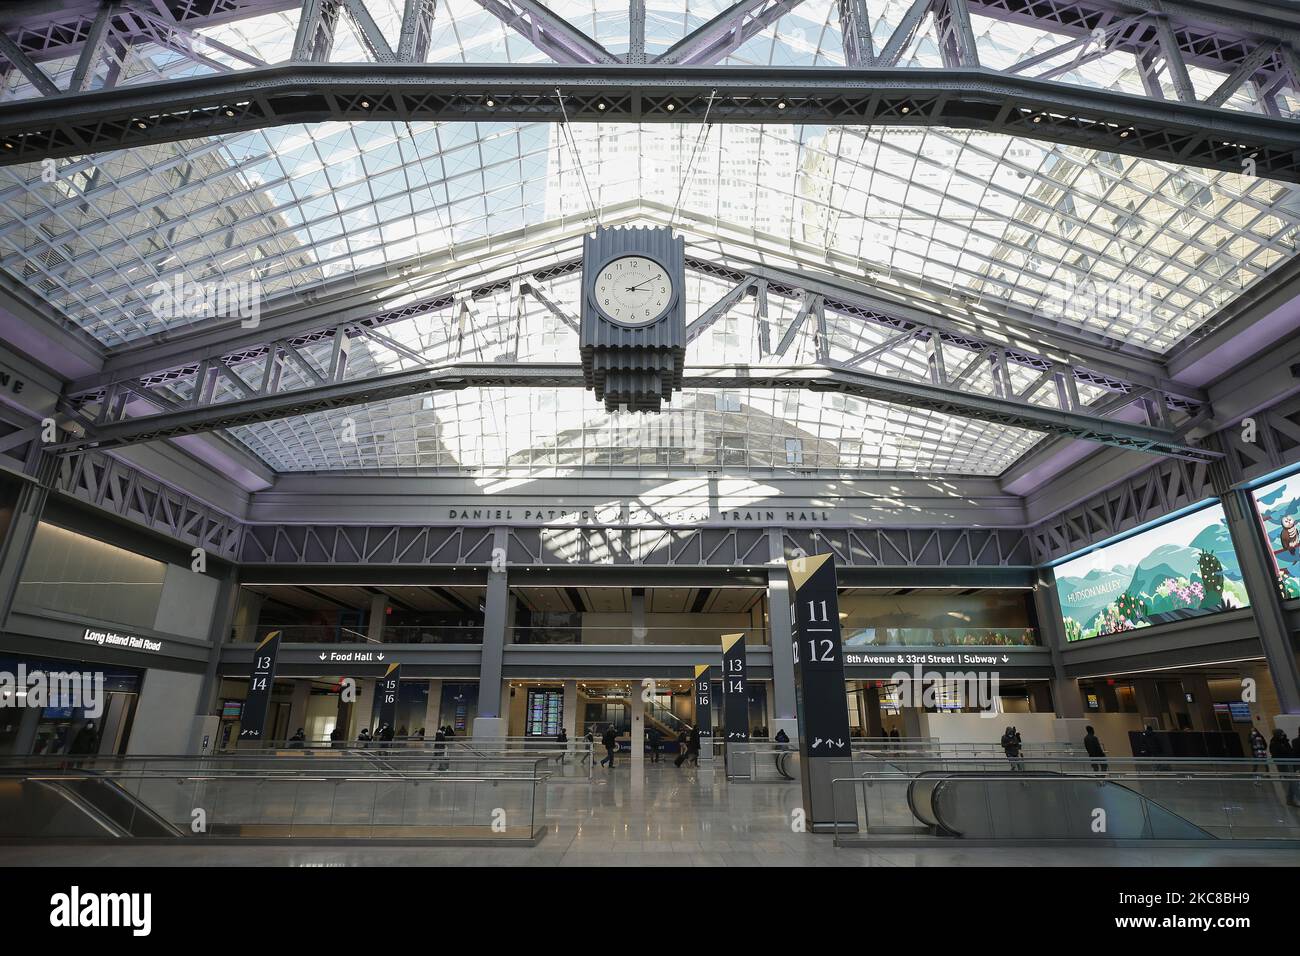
point(252, 719)
point(735, 692)
point(389, 687)
point(825, 747)
point(704, 707)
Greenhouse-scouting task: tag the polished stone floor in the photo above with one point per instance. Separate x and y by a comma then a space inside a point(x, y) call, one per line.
point(678, 817)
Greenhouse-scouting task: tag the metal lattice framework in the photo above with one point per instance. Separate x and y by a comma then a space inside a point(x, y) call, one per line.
point(1170, 486)
point(962, 98)
point(664, 547)
point(127, 492)
point(250, 382)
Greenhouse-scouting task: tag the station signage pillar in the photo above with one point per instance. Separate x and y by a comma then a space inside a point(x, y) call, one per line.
point(261, 681)
point(735, 689)
point(390, 686)
point(704, 710)
point(735, 706)
point(825, 746)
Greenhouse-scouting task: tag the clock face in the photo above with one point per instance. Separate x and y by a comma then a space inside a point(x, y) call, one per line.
point(633, 290)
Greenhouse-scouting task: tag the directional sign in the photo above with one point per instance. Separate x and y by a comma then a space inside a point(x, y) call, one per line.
point(389, 687)
point(824, 741)
point(704, 709)
point(252, 719)
point(735, 691)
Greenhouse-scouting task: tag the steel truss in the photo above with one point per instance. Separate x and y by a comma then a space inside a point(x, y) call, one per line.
point(269, 405)
point(1169, 486)
point(664, 547)
point(123, 117)
point(188, 390)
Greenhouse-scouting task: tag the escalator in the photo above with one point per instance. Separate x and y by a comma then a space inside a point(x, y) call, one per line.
point(970, 805)
point(76, 804)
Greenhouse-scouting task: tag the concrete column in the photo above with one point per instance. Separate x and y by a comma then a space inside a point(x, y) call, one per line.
point(874, 727)
point(784, 715)
point(27, 507)
point(1260, 578)
point(492, 713)
point(206, 724)
point(571, 709)
point(375, 620)
point(298, 704)
point(1201, 707)
point(637, 710)
point(433, 709)
point(1151, 705)
point(361, 707)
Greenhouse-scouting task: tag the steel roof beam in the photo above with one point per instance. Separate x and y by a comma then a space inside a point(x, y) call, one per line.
point(270, 405)
point(119, 118)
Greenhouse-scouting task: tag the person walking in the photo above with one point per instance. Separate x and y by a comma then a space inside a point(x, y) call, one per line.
point(1092, 744)
point(1011, 747)
point(610, 741)
point(590, 749)
point(683, 738)
point(652, 738)
point(562, 743)
point(86, 741)
point(693, 746)
point(299, 738)
point(364, 737)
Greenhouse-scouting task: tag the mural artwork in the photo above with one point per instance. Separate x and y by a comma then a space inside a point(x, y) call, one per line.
point(1182, 569)
point(1278, 504)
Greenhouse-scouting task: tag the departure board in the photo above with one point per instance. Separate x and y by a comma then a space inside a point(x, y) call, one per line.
point(545, 712)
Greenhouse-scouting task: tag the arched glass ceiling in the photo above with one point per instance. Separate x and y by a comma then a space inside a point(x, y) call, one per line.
point(1142, 252)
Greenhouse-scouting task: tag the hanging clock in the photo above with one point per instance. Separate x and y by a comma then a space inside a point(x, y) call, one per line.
point(633, 323)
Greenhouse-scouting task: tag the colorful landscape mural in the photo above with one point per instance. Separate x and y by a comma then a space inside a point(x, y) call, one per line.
point(1182, 569)
point(1278, 504)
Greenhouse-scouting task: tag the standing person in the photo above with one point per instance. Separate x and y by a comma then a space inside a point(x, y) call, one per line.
point(1258, 749)
point(336, 738)
point(86, 741)
point(1280, 749)
point(682, 739)
point(1092, 744)
point(1011, 747)
point(562, 739)
point(693, 746)
point(298, 739)
point(364, 736)
point(590, 738)
point(652, 738)
point(610, 741)
point(440, 748)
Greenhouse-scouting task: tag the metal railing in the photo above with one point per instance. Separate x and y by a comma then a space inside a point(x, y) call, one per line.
point(857, 637)
point(568, 760)
point(350, 634)
point(708, 635)
point(349, 797)
point(935, 800)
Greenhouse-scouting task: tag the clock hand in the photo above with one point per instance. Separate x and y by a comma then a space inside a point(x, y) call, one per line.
point(633, 288)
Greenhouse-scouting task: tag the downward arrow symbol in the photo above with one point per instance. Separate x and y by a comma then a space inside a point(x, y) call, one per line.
point(381, 655)
point(322, 655)
point(1005, 658)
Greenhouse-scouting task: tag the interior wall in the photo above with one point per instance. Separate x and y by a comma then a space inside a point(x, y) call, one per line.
point(162, 715)
point(975, 728)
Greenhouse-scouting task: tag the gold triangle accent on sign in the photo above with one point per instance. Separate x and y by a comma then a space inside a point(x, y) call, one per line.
point(729, 641)
point(269, 637)
point(801, 569)
point(391, 668)
point(700, 669)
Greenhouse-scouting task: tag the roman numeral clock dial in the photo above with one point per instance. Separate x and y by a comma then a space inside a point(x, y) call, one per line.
point(633, 290)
